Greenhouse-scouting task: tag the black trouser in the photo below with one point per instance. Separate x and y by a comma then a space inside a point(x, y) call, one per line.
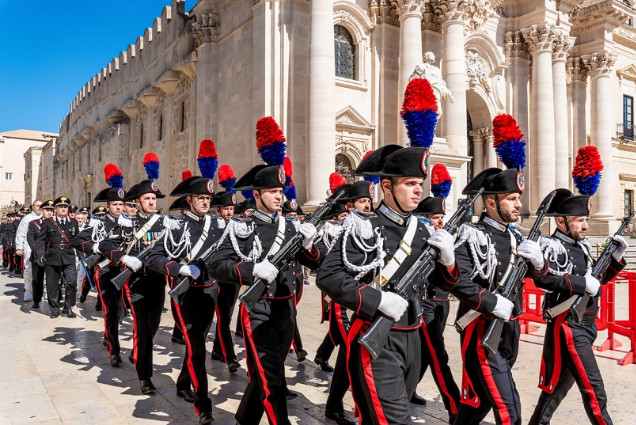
point(5, 256)
point(326, 348)
point(17, 261)
point(146, 295)
point(382, 387)
point(223, 344)
point(435, 356)
point(61, 279)
point(267, 343)
point(577, 365)
point(195, 313)
point(37, 281)
point(338, 333)
point(111, 302)
point(490, 375)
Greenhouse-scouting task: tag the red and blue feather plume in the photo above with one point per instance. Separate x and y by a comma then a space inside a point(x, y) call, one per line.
point(419, 112)
point(248, 194)
point(587, 170)
point(113, 176)
point(440, 181)
point(227, 178)
point(270, 141)
point(207, 158)
point(290, 188)
point(186, 174)
point(151, 165)
point(509, 142)
point(370, 179)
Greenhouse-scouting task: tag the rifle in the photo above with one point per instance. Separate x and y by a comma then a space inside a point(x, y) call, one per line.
point(375, 337)
point(92, 260)
point(514, 281)
point(82, 261)
point(578, 303)
point(119, 280)
point(288, 251)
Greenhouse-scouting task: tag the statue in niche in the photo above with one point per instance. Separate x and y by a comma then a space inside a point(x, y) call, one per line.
point(433, 74)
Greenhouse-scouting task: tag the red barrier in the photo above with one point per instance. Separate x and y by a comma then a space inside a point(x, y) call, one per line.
point(531, 304)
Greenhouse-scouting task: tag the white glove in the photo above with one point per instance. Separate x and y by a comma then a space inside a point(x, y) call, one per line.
point(393, 305)
point(591, 284)
point(265, 270)
point(531, 251)
point(308, 231)
point(445, 243)
point(132, 263)
point(190, 271)
point(503, 308)
point(96, 248)
point(621, 248)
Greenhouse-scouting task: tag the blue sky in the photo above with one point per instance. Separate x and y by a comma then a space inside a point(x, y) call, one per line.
point(48, 49)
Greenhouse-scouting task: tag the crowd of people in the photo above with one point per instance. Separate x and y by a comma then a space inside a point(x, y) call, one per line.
point(212, 253)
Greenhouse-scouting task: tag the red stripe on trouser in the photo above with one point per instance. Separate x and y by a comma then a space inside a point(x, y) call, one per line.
point(186, 337)
point(486, 371)
point(468, 397)
point(353, 331)
point(556, 349)
point(251, 345)
point(341, 327)
point(135, 353)
point(437, 370)
point(219, 334)
point(367, 369)
point(580, 368)
point(98, 284)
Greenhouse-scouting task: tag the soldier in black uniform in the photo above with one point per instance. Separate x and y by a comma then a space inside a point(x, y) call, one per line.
point(145, 290)
point(10, 230)
point(568, 356)
point(268, 325)
point(55, 251)
point(371, 250)
point(436, 307)
point(90, 241)
point(484, 253)
point(33, 239)
point(180, 255)
point(96, 216)
point(223, 347)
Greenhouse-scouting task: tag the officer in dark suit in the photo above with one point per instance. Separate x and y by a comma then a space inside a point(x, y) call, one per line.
point(55, 250)
point(33, 239)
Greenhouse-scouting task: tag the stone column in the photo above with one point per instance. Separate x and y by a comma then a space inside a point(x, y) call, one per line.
point(602, 128)
point(540, 42)
point(410, 13)
point(321, 160)
point(578, 72)
point(491, 153)
point(479, 139)
point(561, 46)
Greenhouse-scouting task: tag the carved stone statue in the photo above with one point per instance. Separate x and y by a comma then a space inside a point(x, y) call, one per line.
point(433, 74)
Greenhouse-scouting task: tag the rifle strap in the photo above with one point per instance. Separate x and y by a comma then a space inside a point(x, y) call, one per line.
point(142, 232)
point(204, 236)
point(401, 254)
point(279, 239)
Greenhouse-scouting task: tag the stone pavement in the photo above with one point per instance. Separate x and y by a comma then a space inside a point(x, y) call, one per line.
point(57, 372)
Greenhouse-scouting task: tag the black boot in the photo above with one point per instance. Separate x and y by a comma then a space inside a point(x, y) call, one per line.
point(324, 365)
point(416, 399)
point(205, 418)
point(233, 366)
point(186, 394)
point(115, 360)
point(147, 387)
point(339, 417)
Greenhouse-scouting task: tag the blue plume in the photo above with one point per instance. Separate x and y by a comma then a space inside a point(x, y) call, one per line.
point(207, 166)
point(152, 170)
point(290, 192)
point(116, 182)
point(512, 153)
point(372, 179)
point(248, 194)
point(441, 190)
point(420, 126)
point(273, 154)
point(588, 185)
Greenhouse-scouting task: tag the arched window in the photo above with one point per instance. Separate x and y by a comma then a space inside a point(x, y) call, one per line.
point(344, 166)
point(345, 49)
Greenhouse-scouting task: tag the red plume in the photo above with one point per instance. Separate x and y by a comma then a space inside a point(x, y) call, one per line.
point(186, 174)
point(335, 181)
point(289, 168)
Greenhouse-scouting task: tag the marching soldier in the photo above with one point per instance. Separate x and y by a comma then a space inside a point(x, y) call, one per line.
point(24, 250)
point(33, 238)
point(223, 347)
point(55, 251)
point(372, 253)
point(568, 356)
point(180, 255)
point(90, 242)
point(243, 256)
point(8, 244)
point(145, 289)
point(97, 215)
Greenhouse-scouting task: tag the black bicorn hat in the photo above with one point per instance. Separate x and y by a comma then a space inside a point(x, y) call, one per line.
point(179, 204)
point(292, 206)
point(195, 185)
point(62, 201)
point(224, 199)
point(101, 210)
point(335, 210)
point(395, 161)
point(431, 205)
point(151, 165)
point(566, 203)
point(48, 204)
point(247, 204)
point(262, 177)
point(115, 190)
point(496, 181)
point(357, 190)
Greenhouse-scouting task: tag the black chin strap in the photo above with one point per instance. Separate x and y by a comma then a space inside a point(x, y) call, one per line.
point(498, 207)
point(567, 226)
point(397, 203)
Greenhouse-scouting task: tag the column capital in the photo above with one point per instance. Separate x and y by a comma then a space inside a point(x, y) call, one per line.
point(408, 8)
point(600, 64)
point(205, 28)
point(515, 45)
point(480, 134)
point(540, 38)
point(561, 46)
point(472, 13)
point(578, 70)
point(382, 12)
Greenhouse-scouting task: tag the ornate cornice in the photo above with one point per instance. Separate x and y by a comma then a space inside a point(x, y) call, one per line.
point(577, 69)
point(382, 12)
point(611, 12)
point(561, 46)
point(515, 46)
point(540, 38)
point(205, 28)
point(408, 8)
point(473, 13)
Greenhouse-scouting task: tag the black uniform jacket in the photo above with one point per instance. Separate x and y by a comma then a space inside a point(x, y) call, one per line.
point(560, 252)
point(57, 238)
point(340, 283)
point(227, 266)
point(33, 239)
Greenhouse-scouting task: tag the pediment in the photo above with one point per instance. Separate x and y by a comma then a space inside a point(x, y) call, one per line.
point(629, 72)
point(351, 119)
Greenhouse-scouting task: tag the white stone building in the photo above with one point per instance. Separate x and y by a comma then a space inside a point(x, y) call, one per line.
point(14, 146)
point(332, 72)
